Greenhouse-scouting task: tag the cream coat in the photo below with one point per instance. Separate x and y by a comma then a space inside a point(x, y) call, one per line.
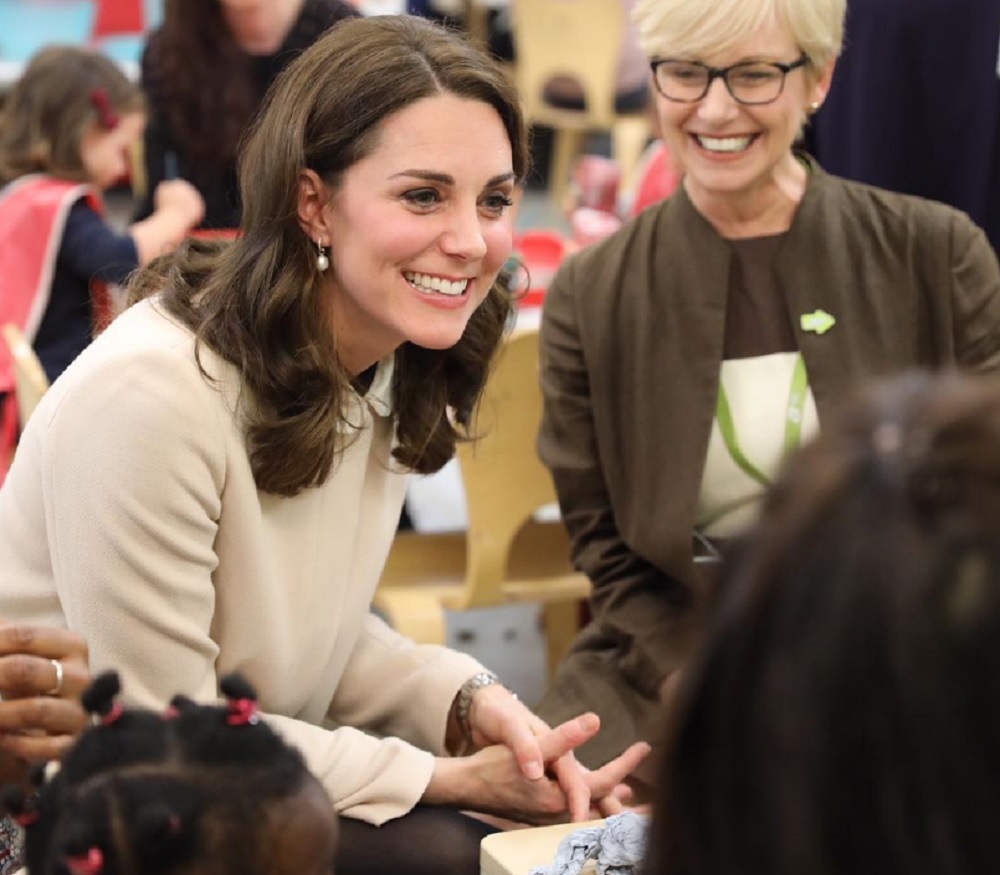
point(131, 516)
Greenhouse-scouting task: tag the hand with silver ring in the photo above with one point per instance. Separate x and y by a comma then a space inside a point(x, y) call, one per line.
point(43, 671)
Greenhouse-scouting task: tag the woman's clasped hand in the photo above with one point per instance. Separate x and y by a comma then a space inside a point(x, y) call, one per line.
point(526, 771)
point(43, 670)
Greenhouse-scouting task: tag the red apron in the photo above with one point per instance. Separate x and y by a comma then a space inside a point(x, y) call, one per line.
point(33, 212)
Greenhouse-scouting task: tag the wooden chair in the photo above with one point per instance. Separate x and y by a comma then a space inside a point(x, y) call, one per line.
point(581, 39)
point(137, 170)
point(520, 851)
point(506, 555)
point(30, 382)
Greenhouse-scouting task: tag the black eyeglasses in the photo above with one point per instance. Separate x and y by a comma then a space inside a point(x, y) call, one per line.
point(749, 82)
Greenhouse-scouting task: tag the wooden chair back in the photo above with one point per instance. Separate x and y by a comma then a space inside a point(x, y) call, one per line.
point(30, 382)
point(506, 555)
point(577, 38)
point(581, 39)
point(505, 483)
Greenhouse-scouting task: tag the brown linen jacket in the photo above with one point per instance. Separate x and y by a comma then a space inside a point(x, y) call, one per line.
point(632, 339)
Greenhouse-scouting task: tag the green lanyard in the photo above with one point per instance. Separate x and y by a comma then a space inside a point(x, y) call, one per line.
point(793, 421)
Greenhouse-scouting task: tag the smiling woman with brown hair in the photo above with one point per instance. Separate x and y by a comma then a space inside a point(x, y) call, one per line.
point(216, 486)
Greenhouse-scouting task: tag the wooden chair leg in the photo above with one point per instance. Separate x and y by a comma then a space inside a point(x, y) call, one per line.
point(567, 145)
point(629, 138)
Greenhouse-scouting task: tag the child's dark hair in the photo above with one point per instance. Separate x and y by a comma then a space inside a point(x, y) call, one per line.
point(63, 91)
point(843, 714)
point(199, 788)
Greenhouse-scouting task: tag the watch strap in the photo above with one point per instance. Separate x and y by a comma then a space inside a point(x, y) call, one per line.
point(465, 695)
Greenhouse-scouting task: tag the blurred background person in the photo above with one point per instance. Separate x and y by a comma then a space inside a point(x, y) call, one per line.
point(683, 357)
point(66, 134)
point(915, 105)
point(844, 714)
point(204, 72)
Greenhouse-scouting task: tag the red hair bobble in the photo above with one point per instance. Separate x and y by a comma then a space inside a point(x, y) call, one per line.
point(112, 716)
point(91, 863)
point(242, 712)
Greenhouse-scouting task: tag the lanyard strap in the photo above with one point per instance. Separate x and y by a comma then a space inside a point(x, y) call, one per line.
point(793, 421)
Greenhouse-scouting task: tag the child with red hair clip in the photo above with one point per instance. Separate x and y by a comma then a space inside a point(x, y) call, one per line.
point(196, 789)
point(67, 132)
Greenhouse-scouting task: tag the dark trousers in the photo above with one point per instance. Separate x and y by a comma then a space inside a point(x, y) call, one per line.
point(427, 841)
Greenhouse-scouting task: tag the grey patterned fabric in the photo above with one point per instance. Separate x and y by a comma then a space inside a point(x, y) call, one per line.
point(617, 847)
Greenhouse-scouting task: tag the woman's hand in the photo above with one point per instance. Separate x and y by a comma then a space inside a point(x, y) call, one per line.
point(497, 717)
point(492, 780)
point(40, 712)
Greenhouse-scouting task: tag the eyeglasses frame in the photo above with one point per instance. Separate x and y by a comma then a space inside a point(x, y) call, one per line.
point(723, 74)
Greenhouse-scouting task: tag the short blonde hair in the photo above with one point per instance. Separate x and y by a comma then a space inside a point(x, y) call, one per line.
point(702, 28)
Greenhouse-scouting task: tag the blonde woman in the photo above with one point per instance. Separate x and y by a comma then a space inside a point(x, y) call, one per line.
point(683, 357)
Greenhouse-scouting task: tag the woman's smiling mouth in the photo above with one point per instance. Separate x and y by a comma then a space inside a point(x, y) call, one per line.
point(429, 284)
point(725, 145)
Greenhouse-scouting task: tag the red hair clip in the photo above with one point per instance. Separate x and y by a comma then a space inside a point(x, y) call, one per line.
point(25, 818)
point(242, 712)
point(90, 863)
point(105, 112)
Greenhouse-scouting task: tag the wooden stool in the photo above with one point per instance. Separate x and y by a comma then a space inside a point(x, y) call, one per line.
point(518, 851)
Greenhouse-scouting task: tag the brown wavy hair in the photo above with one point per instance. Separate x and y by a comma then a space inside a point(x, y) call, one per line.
point(52, 106)
point(258, 302)
point(207, 122)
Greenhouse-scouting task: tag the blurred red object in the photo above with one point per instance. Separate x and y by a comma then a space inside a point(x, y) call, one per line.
point(590, 225)
point(595, 183)
point(656, 178)
point(114, 17)
point(214, 233)
point(542, 251)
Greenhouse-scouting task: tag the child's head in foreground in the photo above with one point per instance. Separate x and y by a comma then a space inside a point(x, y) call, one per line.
point(200, 790)
point(844, 715)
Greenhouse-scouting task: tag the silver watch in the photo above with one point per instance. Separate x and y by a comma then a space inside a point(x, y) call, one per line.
point(465, 694)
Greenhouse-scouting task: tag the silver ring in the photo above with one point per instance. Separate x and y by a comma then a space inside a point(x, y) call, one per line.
point(57, 689)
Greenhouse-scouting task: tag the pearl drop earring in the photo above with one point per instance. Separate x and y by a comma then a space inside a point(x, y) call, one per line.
point(322, 262)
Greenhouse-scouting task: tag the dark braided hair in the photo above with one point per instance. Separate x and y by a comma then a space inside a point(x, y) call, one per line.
point(197, 789)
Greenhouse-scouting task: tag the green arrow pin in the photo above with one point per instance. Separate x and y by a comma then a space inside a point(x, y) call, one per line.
point(819, 321)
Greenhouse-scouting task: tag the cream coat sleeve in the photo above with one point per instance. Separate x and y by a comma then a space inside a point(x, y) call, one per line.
point(421, 673)
point(133, 461)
